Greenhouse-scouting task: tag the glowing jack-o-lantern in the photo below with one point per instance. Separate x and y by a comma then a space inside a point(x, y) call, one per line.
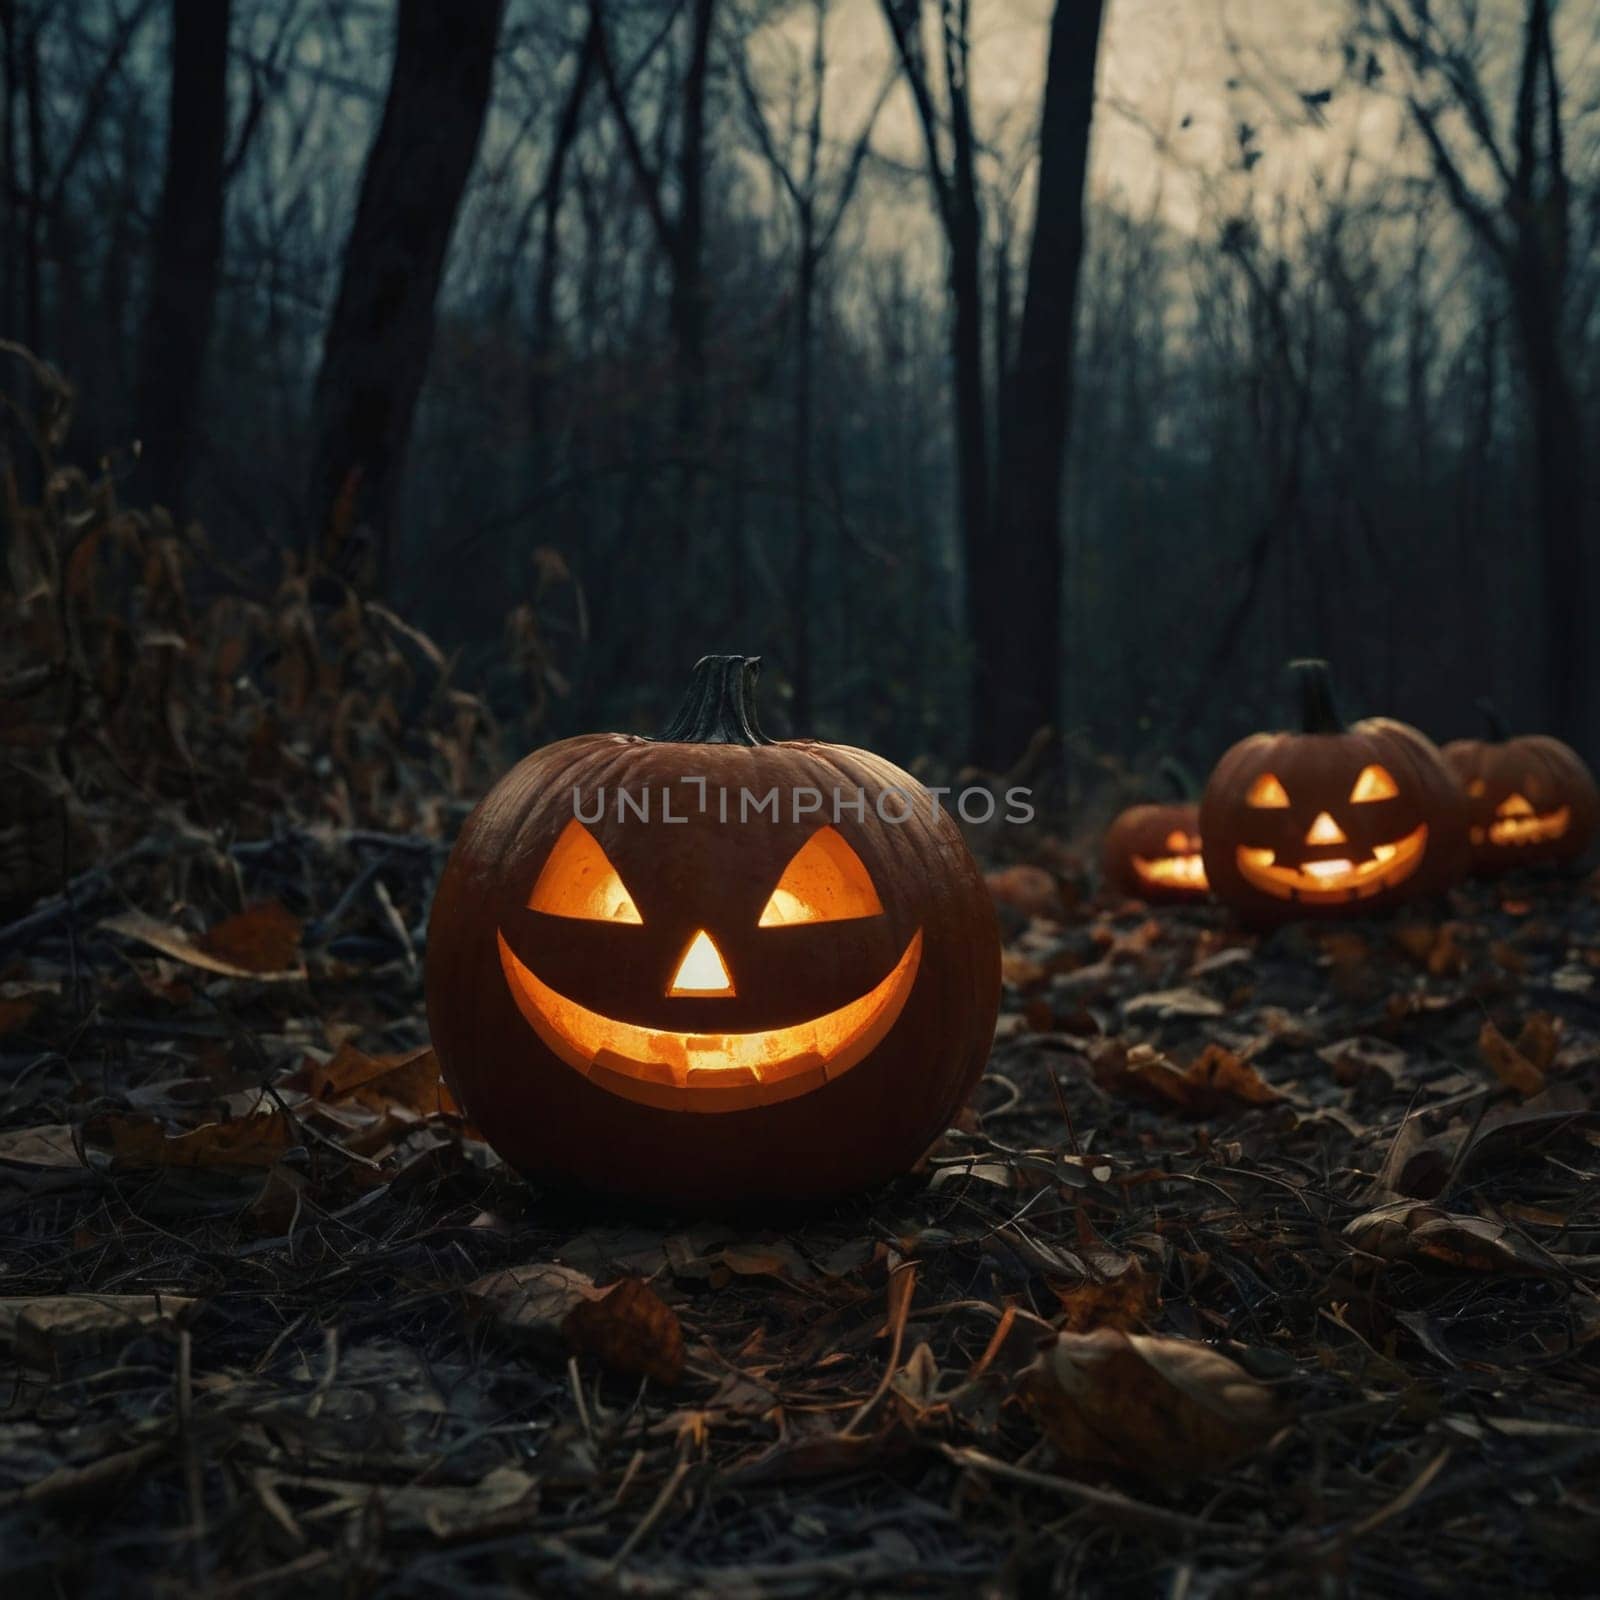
point(709, 968)
point(1531, 801)
point(1332, 820)
point(1153, 852)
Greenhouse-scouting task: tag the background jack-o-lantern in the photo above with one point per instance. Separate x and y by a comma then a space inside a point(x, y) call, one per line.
point(1152, 852)
point(712, 1004)
point(1531, 800)
point(1330, 821)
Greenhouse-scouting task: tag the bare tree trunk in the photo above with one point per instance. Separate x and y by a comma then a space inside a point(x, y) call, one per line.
point(680, 236)
point(956, 194)
point(375, 354)
point(1019, 654)
point(817, 225)
point(1538, 272)
point(1473, 516)
point(1526, 230)
point(1011, 528)
point(10, 165)
point(544, 293)
point(688, 306)
point(33, 248)
point(1558, 462)
point(187, 250)
point(803, 609)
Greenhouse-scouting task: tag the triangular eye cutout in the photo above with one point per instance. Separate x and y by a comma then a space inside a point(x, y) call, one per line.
point(578, 880)
point(824, 882)
point(1373, 783)
point(1267, 792)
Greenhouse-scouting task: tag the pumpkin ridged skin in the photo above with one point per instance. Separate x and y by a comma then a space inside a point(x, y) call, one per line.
point(1557, 776)
point(548, 1120)
point(1317, 769)
point(1143, 831)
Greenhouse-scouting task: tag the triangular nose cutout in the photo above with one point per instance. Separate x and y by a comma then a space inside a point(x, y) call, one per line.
point(1325, 830)
point(701, 971)
point(1514, 806)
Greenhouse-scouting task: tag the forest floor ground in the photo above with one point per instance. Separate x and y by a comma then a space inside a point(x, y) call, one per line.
point(1259, 1266)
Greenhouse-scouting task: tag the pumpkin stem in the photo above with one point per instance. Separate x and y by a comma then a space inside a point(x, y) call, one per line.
point(1495, 722)
point(1179, 778)
point(719, 706)
point(1319, 711)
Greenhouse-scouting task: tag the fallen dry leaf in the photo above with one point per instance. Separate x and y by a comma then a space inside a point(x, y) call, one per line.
point(1159, 1406)
point(1413, 1165)
point(1122, 1301)
point(139, 1142)
point(1164, 1003)
point(917, 1381)
point(1506, 1124)
point(1508, 1063)
point(46, 1329)
point(175, 943)
point(1411, 1230)
point(263, 938)
point(629, 1329)
point(826, 1455)
point(1030, 890)
point(1019, 971)
point(1540, 1040)
point(1354, 1059)
point(1436, 949)
point(49, 1146)
point(16, 1012)
point(380, 1083)
point(531, 1301)
point(775, 1259)
point(1217, 1080)
point(501, 1500)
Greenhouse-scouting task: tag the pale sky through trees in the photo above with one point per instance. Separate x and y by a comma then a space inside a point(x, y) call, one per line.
point(1293, 358)
point(1160, 63)
point(1177, 78)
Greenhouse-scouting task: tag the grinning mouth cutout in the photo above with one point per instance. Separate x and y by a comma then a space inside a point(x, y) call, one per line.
point(1171, 872)
point(711, 1071)
point(1517, 823)
point(1339, 879)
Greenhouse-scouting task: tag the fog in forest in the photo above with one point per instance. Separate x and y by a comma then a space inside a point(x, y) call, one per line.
point(719, 354)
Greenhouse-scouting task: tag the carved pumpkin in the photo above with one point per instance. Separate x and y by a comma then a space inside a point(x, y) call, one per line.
point(1152, 852)
point(1332, 820)
point(646, 975)
point(1531, 801)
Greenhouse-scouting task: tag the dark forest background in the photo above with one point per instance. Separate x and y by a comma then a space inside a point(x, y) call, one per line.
point(594, 336)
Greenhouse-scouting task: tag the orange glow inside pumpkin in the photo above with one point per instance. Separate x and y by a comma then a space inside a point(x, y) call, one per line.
point(711, 1071)
point(824, 881)
point(1321, 882)
point(1373, 783)
point(579, 881)
point(1325, 830)
point(1517, 823)
point(1181, 868)
point(1266, 793)
point(702, 970)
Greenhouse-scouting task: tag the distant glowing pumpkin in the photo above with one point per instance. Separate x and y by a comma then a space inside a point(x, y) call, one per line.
point(704, 995)
point(1153, 852)
point(1531, 800)
point(1330, 821)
